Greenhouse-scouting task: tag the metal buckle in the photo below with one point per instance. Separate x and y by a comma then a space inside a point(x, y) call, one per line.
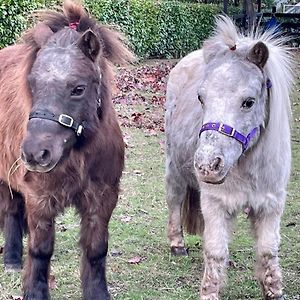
point(79, 130)
point(221, 130)
point(65, 120)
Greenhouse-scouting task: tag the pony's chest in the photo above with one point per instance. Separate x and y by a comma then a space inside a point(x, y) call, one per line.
point(241, 191)
point(63, 187)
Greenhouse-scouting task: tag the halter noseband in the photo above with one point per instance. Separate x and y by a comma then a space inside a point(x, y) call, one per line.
point(231, 132)
point(62, 119)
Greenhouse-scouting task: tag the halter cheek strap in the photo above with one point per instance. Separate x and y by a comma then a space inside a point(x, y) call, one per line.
point(230, 132)
point(62, 119)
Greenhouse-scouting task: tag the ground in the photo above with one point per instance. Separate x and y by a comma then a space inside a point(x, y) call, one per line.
point(139, 265)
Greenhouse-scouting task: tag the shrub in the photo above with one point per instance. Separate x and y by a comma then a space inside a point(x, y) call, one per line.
point(158, 28)
point(12, 20)
point(14, 17)
point(136, 18)
point(154, 28)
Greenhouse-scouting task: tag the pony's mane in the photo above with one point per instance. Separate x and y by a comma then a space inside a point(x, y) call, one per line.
point(278, 68)
point(114, 47)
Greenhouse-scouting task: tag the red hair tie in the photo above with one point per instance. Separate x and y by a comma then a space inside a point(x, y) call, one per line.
point(74, 25)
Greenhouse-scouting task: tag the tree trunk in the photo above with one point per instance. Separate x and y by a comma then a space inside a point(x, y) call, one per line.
point(248, 8)
point(225, 2)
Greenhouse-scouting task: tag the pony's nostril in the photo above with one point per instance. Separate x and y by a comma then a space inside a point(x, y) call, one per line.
point(217, 164)
point(23, 157)
point(44, 157)
point(202, 169)
point(27, 157)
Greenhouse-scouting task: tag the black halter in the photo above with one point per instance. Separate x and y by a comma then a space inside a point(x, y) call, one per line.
point(63, 119)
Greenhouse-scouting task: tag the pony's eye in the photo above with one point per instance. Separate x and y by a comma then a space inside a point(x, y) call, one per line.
point(78, 91)
point(200, 100)
point(248, 103)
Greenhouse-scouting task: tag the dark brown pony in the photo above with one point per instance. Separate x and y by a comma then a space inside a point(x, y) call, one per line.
point(60, 143)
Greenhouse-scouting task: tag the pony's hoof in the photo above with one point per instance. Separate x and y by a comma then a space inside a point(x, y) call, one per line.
point(9, 268)
point(209, 297)
point(179, 251)
point(272, 296)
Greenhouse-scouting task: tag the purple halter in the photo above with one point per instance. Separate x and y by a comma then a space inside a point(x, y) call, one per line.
point(231, 132)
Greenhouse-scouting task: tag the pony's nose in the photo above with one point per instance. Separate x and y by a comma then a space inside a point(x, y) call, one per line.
point(211, 169)
point(43, 158)
point(39, 157)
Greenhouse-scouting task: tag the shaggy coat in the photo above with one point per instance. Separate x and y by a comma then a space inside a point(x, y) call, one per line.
point(210, 176)
point(87, 173)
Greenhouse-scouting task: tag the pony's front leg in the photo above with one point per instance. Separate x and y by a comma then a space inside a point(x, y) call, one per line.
point(94, 243)
point(40, 249)
point(218, 226)
point(266, 228)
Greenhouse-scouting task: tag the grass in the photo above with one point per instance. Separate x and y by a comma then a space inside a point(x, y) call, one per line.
point(138, 229)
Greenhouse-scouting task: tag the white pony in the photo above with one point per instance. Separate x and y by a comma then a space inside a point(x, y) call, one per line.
point(228, 148)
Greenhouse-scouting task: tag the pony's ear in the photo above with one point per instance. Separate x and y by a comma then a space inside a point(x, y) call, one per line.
point(89, 44)
point(259, 54)
point(41, 34)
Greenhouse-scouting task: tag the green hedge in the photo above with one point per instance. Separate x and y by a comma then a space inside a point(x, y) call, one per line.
point(154, 28)
point(158, 28)
point(14, 17)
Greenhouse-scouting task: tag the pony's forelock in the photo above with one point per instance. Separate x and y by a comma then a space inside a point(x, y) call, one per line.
point(74, 15)
point(226, 30)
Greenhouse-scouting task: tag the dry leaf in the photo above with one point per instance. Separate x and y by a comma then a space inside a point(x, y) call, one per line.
point(232, 264)
point(135, 260)
point(115, 252)
point(126, 219)
point(13, 297)
point(52, 282)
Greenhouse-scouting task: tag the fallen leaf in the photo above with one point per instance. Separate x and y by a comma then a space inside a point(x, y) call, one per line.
point(232, 264)
point(151, 132)
point(162, 144)
point(135, 260)
point(13, 297)
point(52, 282)
point(115, 252)
point(62, 228)
point(291, 224)
point(126, 219)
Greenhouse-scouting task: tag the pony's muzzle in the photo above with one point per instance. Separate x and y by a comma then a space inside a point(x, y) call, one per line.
point(211, 171)
point(36, 159)
point(42, 158)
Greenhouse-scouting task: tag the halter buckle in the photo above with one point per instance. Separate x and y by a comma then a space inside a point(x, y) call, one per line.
point(65, 120)
point(79, 130)
point(223, 129)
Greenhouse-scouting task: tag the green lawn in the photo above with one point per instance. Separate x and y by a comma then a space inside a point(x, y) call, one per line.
point(138, 230)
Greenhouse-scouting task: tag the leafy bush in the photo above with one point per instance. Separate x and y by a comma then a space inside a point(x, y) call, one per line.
point(158, 28)
point(154, 28)
point(12, 20)
point(14, 17)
